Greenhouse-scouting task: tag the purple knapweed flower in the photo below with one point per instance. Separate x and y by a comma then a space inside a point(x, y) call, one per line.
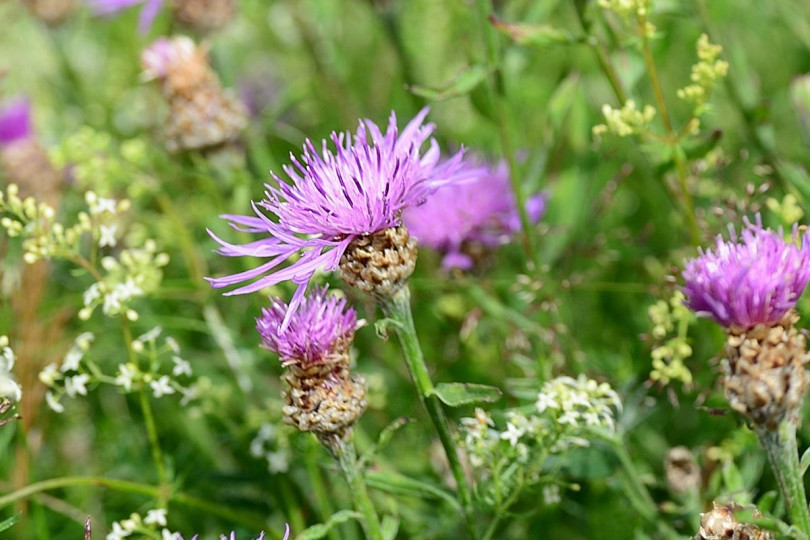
point(318, 328)
point(750, 280)
point(146, 18)
point(334, 198)
point(15, 121)
point(482, 210)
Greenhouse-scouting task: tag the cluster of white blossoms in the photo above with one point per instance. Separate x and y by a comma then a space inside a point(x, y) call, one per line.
point(9, 389)
point(705, 75)
point(627, 121)
point(273, 447)
point(153, 524)
point(566, 414)
point(150, 370)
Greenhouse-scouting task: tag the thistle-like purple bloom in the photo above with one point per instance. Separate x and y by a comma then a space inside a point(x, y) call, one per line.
point(754, 279)
point(233, 535)
point(360, 189)
point(321, 326)
point(482, 210)
point(15, 121)
point(108, 8)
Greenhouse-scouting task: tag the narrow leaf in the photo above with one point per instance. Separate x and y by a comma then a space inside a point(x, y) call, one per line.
point(463, 83)
point(322, 529)
point(7, 523)
point(390, 527)
point(399, 484)
point(458, 394)
point(539, 35)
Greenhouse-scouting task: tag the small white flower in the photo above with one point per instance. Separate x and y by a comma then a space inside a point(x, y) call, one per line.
point(77, 385)
point(53, 403)
point(172, 344)
point(512, 433)
point(580, 398)
point(591, 418)
point(49, 374)
point(546, 400)
point(161, 387)
point(112, 303)
point(568, 417)
point(6, 358)
point(132, 523)
point(9, 387)
point(104, 205)
point(92, 293)
point(156, 517)
point(126, 373)
point(118, 532)
point(107, 235)
point(181, 367)
point(551, 494)
point(151, 335)
point(189, 394)
point(84, 340)
point(278, 462)
point(72, 359)
point(166, 534)
point(128, 289)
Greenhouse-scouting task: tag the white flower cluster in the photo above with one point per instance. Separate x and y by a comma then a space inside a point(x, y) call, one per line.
point(626, 121)
point(705, 75)
point(134, 273)
point(567, 411)
point(670, 326)
point(154, 523)
point(9, 388)
point(77, 371)
point(627, 8)
point(275, 449)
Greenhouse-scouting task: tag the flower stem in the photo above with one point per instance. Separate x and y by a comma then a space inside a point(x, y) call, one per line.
point(342, 448)
point(398, 308)
point(316, 482)
point(783, 455)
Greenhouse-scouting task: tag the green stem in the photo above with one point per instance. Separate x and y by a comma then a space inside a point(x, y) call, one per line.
point(783, 455)
point(398, 308)
point(126, 486)
point(343, 450)
point(601, 55)
point(497, 95)
point(637, 492)
point(319, 489)
point(148, 417)
point(292, 507)
point(680, 163)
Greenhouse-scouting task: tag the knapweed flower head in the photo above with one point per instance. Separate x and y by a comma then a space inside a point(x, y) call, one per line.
point(336, 197)
point(754, 278)
point(15, 121)
point(150, 10)
point(321, 327)
point(460, 218)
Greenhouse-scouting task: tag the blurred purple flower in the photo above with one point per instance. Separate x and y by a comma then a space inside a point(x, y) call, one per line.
point(165, 54)
point(233, 535)
point(15, 121)
point(751, 280)
point(110, 7)
point(317, 328)
point(335, 198)
point(482, 211)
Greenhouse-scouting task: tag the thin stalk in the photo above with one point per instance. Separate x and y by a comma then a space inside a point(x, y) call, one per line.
point(125, 486)
point(344, 452)
point(292, 508)
point(398, 308)
point(602, 57)
point(148, 417)
point(637, 493)
point(316, 482)
point(680, 164)
point(497, 96)
point(783, 455)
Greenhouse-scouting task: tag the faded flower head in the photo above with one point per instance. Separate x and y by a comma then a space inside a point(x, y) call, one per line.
point(752, 279)
point(107, 8)
point(15, 121)
point(480, 212)
point(336, 197)
point(321, 327)
point(167, 54)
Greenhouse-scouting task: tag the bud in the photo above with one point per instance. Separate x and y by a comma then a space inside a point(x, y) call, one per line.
point(204, 15)
point(721, 524)
point(682, 471)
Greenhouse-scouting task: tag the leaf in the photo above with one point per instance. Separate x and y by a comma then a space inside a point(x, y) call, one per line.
point(458, 394)
point(382, 326)
point(390, 527)
point(766, 503)
point(538, 35)
point(462, 84)
point(384, 438)
point(805, 462)
point(322, 529)
point(7, 523)
point(561, 101)
point(399, 484)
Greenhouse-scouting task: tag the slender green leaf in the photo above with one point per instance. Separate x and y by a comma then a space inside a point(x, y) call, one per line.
point(462, 84)
point(458, 394)
point(399, 484)
point(7, 523)
point(538, 35)
point(322, 529)
point(390, 527)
